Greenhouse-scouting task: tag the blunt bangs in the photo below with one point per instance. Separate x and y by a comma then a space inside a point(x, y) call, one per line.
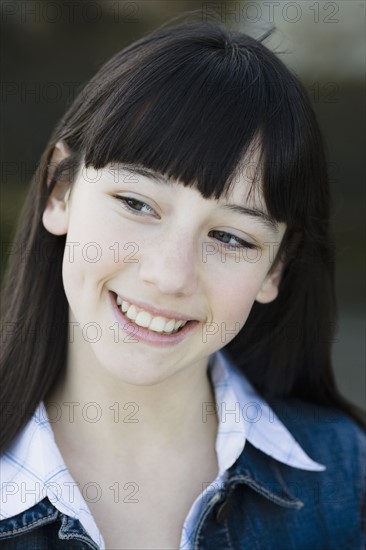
point(189, 103)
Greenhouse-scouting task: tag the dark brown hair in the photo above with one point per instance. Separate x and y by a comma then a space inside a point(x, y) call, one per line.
point(188, 102)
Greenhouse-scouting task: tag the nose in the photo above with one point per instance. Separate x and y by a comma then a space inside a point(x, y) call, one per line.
point(171, 264)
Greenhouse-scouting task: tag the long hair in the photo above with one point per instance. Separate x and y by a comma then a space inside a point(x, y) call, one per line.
point(187, 102)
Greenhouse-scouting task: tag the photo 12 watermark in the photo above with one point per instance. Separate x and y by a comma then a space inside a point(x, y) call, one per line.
point(67, 491)
point(271, 12)
point(72, 12)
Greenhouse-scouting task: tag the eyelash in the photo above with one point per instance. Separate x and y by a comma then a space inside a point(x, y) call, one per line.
point(241, 242)
point(126, 200)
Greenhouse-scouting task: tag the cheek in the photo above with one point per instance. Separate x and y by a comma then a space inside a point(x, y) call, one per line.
point(94, 243)
point(234, 292)
point(230, 312)
point(236, 303)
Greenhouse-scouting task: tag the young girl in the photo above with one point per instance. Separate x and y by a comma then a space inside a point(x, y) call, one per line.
point(168, 312)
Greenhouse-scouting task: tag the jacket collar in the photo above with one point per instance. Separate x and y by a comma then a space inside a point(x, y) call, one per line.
point(262, 474)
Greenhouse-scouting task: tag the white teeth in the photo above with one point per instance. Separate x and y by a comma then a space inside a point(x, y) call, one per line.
point(169, 327)
point(157, 324)
point(143, 319)
point(132, 313)
point(146, 320)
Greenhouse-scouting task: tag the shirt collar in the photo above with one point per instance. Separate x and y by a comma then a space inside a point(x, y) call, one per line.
point(34, 469)
point(244, 414)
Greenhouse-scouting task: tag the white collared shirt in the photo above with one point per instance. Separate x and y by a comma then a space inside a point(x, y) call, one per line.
point(33, 467)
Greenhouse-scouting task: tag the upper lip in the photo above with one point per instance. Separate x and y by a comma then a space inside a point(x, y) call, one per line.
point(156, 312)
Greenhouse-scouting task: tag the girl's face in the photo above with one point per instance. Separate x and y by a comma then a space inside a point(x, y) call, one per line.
point(171, 254)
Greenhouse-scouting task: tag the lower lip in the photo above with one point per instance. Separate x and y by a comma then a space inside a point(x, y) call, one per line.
point(145, 335)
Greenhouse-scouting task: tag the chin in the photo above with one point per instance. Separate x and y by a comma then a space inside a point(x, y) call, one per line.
point(139, 373)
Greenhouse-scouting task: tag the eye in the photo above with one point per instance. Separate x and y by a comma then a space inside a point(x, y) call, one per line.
point(227, 238)
point(135, 206)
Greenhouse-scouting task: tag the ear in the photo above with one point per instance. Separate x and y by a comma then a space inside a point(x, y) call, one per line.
point(55, 215)
point(269, 289)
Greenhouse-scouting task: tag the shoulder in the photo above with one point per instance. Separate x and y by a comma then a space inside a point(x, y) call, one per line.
point(326, 430)
point(315, 508)
point(326, 433)
point(331, 438)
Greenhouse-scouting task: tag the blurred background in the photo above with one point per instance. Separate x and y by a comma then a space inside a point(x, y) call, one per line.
point(49, 49)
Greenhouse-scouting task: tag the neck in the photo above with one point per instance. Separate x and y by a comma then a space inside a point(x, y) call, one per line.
point(91, 408)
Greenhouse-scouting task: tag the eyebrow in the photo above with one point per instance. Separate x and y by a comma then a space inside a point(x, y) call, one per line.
point(263, 218)
point(145, 172)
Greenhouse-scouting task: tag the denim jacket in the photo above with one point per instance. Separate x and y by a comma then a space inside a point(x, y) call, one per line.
point(263, 504)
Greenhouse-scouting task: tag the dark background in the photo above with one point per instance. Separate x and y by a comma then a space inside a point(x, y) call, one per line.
point(49, 49)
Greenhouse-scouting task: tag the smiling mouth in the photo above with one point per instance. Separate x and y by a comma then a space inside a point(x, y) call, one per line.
point(154, 323)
